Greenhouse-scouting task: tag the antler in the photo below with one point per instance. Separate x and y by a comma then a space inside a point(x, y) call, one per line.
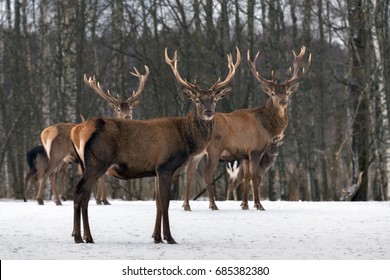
point(252, 67)
point(232, 71)
point(142, 81)
point(296, 65)
point(173, 64)
point(289, 81)
point(95, 86)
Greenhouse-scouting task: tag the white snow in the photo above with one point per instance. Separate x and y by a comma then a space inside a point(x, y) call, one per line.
point(286, 230)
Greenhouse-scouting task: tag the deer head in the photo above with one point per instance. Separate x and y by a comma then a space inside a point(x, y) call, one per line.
point(205, 100)
point(273, 148)
point(123, 109)
point(280, 93)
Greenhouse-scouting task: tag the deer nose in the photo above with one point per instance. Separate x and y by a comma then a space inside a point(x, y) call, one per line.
point(283, 102)
point(209, 112)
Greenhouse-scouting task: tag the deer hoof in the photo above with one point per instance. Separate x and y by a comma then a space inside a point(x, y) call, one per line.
point(105, 202)
point(260, 207)
point(186, 207)
point(98, 202)
point(170, 240)
point(244, 206)
point(77, 238)
point(89, 239)
point(214, 207)
point(58, 203)
point(40, 201)
point(157, 238)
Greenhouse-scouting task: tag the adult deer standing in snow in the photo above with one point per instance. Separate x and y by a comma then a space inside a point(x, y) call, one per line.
point(246, 133)
point(56, 138)
point(134, 149)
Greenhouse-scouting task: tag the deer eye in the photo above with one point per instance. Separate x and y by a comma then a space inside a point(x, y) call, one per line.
point(273, 93)
point(197, 100)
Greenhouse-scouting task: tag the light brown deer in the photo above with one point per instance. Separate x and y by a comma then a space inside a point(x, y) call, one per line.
point(245, 134)
point(236, 171)
point(129, 149)
point(56, 138)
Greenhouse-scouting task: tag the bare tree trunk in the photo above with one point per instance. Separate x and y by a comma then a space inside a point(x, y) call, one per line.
point(359, 93)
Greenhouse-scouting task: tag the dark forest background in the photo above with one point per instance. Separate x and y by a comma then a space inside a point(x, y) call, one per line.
point(339, 121)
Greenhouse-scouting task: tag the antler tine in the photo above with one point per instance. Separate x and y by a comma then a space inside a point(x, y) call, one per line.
point(173, 64)
point(252, 67)
point(297, 64)
point(142, 80)
point(232, 71)
point(95, 86)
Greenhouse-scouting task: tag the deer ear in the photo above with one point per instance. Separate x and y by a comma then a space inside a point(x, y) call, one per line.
point(221, 94)
point(266, 89)
point(134, 104)
point(293, 88)
point(190, 94)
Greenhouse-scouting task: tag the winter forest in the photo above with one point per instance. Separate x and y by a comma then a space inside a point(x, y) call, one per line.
point(338, 132)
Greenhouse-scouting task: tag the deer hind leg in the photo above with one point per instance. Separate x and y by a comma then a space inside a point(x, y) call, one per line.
point(41, 187)
point(81, 196)
point(235, 186)
point(229, 189)
point(103, 191)
point(101, 195)
point(26, 186)
point(53, 183)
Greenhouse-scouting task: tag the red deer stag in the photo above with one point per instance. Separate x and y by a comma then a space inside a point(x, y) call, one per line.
point(236, 171)
point(129, 149)
point(56, 138)
point(246, 133)
point(123, 110)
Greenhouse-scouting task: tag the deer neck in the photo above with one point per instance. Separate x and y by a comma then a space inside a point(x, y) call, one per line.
point(198, 132)
point(274, 119)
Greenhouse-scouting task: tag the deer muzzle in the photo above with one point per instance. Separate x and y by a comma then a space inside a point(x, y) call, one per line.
point(208, 114)
point(283, 102)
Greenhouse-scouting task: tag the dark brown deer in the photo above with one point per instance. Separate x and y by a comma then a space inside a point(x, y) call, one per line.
point(129, 149)
point(122, 109)
point(56, 138)
point(236, 171)
point(245, 134)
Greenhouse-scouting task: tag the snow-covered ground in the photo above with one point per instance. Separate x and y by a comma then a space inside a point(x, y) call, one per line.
point(286, 230)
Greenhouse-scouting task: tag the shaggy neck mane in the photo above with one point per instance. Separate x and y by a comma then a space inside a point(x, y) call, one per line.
point(199, 132)
point(273, 120)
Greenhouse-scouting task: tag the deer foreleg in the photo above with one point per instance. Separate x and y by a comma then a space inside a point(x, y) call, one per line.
point(157, 226)
point(247, 177)
point(212, 163)
point(165, 180)
point(256, 179)
point(191, 169)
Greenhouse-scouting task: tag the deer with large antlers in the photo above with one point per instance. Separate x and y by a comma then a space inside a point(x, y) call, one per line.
point(56, 138)
point(246, 134)
point(129, 149)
